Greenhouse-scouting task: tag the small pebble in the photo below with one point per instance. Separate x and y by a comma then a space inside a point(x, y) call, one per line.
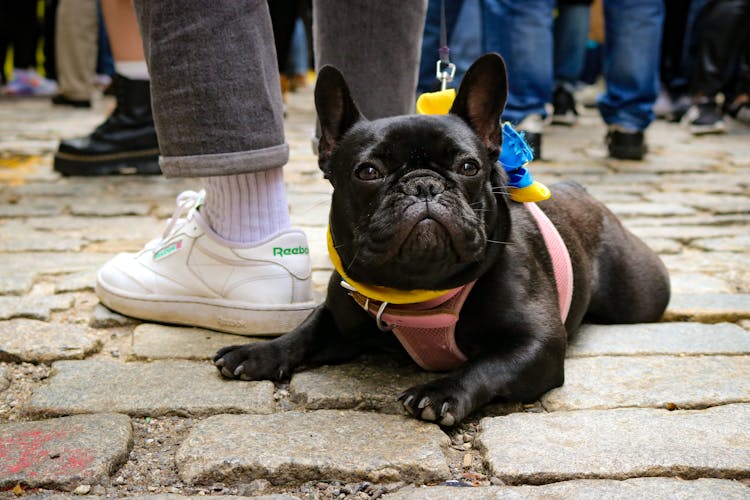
point(467, 460)
point(83, 489)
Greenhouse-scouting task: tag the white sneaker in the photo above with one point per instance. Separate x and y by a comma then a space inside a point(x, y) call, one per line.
point(190, 276)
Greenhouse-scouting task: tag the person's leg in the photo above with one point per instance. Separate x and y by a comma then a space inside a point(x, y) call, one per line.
point(23, 34)
point(76, 47)
point(631, 70)
point(227, 259)
point(521, 32)
point(571, 36)
point(431, 40)
point(48, 30)
point(739, 108)
point(126, 142)
point(376, 45)
point(466, 39)
point(283, 17)
point(722, 24)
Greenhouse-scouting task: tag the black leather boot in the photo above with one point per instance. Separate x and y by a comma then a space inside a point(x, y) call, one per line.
point(124, 144)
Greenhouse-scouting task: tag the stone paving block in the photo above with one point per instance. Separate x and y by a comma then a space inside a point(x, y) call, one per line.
point(664, 245)
point(16, 283)
point(64, 452)
point(101, 317)
point(684, 233)
point(34, 307)
point(146, 389)
point(152, 341)
point(39, 342)
point(733, 221)
point(108, 208)
point(77, 282)
point(705, 262)
point(29, 210)
point(36, 241)
point(173, 496)
point(682, 282)
point(708, 308)
point(659, 338)
point(4, 378)
point(727, 244)
point(650, 209)
point(644, 488)
point(651, 381)
point(539, 448)
point(52, 262)
point(136, 228)
point(366, 384)
point(714, 203)
point(294, 447)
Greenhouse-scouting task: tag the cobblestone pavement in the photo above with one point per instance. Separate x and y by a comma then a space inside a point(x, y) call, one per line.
point(93, 403)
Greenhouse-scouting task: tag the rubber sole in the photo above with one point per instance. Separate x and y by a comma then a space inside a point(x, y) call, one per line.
point(567, 119)
point(128, 163)
point(711, 128)
point(214, 314)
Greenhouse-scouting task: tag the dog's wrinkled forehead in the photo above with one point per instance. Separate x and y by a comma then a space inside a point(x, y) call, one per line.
point(415, 138)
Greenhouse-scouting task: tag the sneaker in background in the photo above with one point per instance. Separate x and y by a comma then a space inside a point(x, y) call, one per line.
point(531, 127)
point(681, 105)
point(27, 82)
point(564, 105)
point(625, 144)
point(191, 276)
point(739, 109)
point(664, 106)
point(704, 117)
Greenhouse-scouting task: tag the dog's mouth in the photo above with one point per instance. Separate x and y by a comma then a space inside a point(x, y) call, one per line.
point(427, 233)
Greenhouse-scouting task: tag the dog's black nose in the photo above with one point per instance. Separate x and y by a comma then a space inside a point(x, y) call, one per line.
point(424, 187)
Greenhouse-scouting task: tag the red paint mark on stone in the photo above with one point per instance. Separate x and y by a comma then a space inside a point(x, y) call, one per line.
point(28, 452)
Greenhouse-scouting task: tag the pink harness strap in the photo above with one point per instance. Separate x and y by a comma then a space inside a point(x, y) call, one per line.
point(427, 330)
point(560, 257)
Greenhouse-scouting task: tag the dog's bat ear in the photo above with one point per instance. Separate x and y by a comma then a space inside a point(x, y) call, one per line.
point(481, 100)
point(336, 109)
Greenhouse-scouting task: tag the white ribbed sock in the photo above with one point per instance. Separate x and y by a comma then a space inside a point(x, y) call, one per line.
point(246, 208)
point(134, 70)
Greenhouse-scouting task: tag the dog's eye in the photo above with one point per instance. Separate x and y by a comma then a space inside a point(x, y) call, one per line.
point(367, 172)
point(468, 169)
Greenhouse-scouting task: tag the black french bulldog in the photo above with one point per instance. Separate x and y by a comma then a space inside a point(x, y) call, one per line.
point(420, 202)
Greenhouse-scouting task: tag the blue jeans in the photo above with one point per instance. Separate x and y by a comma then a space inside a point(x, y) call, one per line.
point(631, 62)
point(571, 37)
point(464, 41)
point(521, 31)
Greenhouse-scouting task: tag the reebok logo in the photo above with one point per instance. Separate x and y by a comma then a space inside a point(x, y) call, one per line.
point(282, 252)
point(168, 250)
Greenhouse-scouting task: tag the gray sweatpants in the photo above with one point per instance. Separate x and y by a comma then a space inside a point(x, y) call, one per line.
point(215, 82)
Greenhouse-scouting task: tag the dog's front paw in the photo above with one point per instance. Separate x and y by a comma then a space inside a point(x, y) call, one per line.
point(259, 361)
point(441, 401)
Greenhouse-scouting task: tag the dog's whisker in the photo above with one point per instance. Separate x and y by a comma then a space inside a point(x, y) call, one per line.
point(499, 242)
point(354, 259)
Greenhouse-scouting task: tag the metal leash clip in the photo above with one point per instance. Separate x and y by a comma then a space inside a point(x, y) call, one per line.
point(444, 72)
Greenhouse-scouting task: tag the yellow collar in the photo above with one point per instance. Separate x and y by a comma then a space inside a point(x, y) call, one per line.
point(380, 293)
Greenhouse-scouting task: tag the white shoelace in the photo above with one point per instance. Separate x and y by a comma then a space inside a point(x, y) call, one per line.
point(187, 202)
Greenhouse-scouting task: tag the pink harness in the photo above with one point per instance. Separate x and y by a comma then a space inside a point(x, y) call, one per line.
point(427, 330)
